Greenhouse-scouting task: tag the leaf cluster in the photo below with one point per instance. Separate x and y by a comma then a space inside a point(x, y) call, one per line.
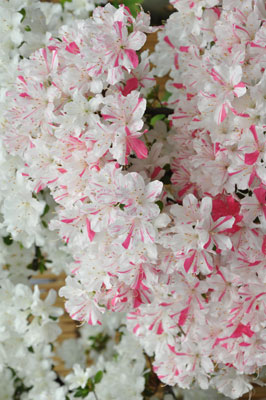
point(99, 341)
point(39, 262)
point(90, 385)
point(19, 385)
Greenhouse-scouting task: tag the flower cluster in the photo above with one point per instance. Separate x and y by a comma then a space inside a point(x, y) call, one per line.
point(166, 224)
point(117, 358)
point(28, 326)
point(76, 116)
point(209, 311)
point(25, 26)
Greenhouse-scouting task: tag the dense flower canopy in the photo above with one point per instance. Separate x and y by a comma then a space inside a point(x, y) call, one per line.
point(158, 204)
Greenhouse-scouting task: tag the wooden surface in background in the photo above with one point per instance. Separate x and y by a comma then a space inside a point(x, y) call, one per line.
point(150, 45)
point(68, 326)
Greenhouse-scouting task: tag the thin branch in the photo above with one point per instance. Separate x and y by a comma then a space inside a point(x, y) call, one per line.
point(181, 329)
point(159, 110)
point(169, 390)
point(95, 395)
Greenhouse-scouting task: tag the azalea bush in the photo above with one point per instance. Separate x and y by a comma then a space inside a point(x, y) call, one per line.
point(151, 199)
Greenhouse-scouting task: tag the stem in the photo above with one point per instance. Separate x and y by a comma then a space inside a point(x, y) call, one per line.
point(181, 329)
point(169, 390)
point(173, 394)
point(95, 395)
point(159, 110)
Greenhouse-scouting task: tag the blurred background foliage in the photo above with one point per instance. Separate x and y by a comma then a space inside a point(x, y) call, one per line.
point(159, 9)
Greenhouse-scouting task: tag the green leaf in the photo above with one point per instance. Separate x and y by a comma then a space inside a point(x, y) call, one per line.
point(20, 388)
point(153, 94)
point(166, 179)
point(159, 204)
point(120, 205)
point(33, 266)
point(53, 318)
point(45, 211)
point(8, 240)
point(39, 261)
point(31, 349)
point(167, 167)
point(13, 372)
point(90, 385)
point(38, 252)
point(42, 267)
point(44, 223)
point(99, 341)
point(133, 5)
point(27, 28)
point(156, 118)
point(82, 392)
point(62, 2)
point(23, 13)
point(98, 377)
point(166, 96)
point(151, 384)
